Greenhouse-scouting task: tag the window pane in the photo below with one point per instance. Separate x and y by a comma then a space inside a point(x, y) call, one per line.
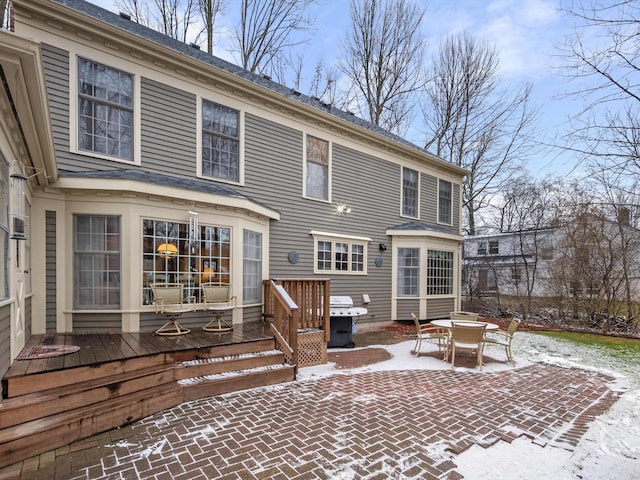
point(324, 255)
point(342, 256)
point(439, 273)
point(220, 141)
point(357, 258)
point(409, 192)
point(317, 168)
point(171, 254)
point(105, 110)
point(96, 261)
point(444, 201)
point(408, 271)
point(252, 267)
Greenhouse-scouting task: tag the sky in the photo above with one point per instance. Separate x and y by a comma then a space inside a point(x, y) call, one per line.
point(525, 33)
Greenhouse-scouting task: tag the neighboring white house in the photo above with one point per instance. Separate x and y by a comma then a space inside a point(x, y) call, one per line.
point(591, 264)
point(510, 263)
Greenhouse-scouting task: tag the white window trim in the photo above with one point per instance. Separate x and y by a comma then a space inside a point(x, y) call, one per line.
point(417, 217)
point(73, 110)
point(438, 201)
point(337, 238)
point(199, 100)
point(329, 168)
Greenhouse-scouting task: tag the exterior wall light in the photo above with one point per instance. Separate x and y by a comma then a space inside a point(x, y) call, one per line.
point(342, 209)
point(18, 207)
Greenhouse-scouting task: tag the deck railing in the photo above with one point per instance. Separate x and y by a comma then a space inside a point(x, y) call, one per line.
point(294, 304)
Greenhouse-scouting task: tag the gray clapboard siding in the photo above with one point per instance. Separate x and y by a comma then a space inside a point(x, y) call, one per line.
point(5, 339)
point(56, 69)
point(268, 143)
point(50, 271)
point(407, 306)
point(439, 307)
point(168, 124)
point(252, 314)
point(92, 323)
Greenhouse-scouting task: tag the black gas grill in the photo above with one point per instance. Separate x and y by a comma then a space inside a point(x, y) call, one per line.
point(342, 317)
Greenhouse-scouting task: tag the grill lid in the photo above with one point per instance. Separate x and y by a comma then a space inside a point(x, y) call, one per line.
point(340, 301)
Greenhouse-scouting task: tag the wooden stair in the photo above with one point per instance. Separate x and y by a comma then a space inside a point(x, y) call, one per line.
point(47, 410)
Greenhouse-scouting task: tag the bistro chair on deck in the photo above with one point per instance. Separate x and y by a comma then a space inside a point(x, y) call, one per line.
point(505, 337)
point(429, 332)
point(170, 302)
point(467, 335)
point(217, 299)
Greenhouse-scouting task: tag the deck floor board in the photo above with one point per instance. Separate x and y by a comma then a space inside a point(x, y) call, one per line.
point(99, 348)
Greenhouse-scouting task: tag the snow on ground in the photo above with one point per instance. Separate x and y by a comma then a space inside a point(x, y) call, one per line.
point(609, 450)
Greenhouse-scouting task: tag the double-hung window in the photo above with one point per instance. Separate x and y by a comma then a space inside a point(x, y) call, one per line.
point(408, 272)
point(220, 142)
point(105, 110)
point(338, 254)
point(410, 192)
point(439, 272)
point(252, 267)
point(96, 272)
point(444, 202)
point(317, 168)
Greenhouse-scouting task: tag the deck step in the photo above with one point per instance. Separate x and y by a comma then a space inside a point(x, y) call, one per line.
point(242, 361)
point(217, 384)
point(50, 410)
point(39, 382)
point(38, 436)
point(40, 404)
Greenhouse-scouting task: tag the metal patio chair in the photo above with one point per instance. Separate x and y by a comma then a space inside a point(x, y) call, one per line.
point(217, 299)
point(170, 302)
point(505, 337)
point(468, 335)
point(429, 332)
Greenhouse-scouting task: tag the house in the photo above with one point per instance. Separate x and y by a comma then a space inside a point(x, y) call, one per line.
point(507, 263)
point(585, 266)
point(149, 160)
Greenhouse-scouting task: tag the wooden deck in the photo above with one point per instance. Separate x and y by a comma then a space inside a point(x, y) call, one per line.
point(99, 348)
point(117, 378)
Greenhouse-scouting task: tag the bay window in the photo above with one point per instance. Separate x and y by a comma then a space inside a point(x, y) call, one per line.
point(174, 254)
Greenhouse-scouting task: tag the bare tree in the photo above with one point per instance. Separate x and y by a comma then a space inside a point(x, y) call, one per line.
point(267, 31)
point(603, 62)
point(528, 210)
point(174, 18)
point(474, 123)
point(209, 10)
point(382, 57)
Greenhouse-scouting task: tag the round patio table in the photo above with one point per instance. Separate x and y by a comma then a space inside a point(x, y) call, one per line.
point(447, 323)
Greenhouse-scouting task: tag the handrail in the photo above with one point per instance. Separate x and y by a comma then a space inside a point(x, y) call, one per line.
point(294, 304)
point(286, 332)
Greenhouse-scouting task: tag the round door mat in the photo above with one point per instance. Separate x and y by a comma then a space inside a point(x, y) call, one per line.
point(44, 351)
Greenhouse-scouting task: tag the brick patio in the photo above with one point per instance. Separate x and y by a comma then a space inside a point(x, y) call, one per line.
point(373, 425)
